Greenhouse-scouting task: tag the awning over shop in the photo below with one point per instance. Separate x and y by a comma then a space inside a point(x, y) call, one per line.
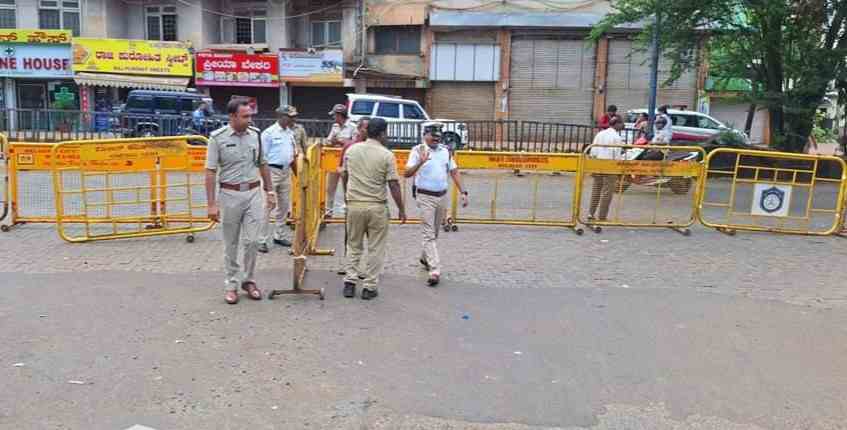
point(131, 81)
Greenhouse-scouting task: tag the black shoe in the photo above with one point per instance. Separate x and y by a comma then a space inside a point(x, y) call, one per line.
point(433, 280)
point(350, 290)
point(424, 263)
point(282, 242)
point(263, 248)
point(369, 294)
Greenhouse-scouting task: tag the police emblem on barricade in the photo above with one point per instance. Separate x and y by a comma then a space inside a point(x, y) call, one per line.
point(771, 200)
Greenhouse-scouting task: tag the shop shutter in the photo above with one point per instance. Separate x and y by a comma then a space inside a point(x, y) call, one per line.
point(316, 102)
point(552, 80)
point(628, 80)
point(733, 113)
point(463, 101)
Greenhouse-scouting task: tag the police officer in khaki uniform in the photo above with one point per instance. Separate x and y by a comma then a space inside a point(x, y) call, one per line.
point(368, 168)
point(281, 142)
point(342, 133)
point(432, 165)
point(234, 162)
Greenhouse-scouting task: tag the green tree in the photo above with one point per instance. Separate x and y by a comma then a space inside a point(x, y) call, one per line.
point(792, 51)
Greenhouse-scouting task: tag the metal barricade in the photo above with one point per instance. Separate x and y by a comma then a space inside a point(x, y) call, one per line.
point(4, 180)
point(127, 188)
point(646, 186)
point(308, 191)
point(773, 192)
point(30, 186)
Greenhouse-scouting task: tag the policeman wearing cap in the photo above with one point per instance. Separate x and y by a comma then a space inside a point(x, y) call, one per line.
point(341, 134)
point(281, 142)
point(234, 163)
point(432, 164)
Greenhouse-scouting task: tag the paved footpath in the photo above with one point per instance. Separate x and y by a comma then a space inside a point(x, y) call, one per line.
point(531, 329)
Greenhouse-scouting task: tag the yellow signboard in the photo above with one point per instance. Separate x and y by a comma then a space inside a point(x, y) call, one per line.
point(137, 57)
point(133, 156)
point(35, 36)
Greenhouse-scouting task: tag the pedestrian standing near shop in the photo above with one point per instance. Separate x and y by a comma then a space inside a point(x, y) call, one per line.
point(234, 163)
point(281, 142)
point(341, 134)
point(369, 168)
point(604, 185)
point(432, 165)
point(603, 122)
point(198, 118)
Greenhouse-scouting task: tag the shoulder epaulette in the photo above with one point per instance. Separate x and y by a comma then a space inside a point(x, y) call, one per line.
point(218, 131)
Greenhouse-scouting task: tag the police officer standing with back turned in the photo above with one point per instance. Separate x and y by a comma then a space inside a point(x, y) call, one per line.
point(368, 168)
point(432, 165)
point(235, 161)
point(281, 142)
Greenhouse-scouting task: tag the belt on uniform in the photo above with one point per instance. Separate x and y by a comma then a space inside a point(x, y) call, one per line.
point(277, 166)
point(244, 186)
point(431, 193)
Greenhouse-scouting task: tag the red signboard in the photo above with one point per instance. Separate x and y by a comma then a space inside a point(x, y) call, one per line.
point(236, 70)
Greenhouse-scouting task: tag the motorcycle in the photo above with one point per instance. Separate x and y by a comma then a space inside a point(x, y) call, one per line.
point(678, 185)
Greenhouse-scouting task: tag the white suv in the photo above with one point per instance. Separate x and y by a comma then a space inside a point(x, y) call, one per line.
point(404, 118)
point(688, 125)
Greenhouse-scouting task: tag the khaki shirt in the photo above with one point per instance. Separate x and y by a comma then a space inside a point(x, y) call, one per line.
point(236, 156)
point(341, 132)
point(299, 140)
point(369, 167)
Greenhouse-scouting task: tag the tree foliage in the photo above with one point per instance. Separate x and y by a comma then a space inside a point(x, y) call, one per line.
point(792, 51)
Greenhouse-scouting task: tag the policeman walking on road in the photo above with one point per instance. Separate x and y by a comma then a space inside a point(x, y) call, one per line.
point(432, 165)
point(281, 142)
point(368, 168)
point(341, 134)
point(234, 161)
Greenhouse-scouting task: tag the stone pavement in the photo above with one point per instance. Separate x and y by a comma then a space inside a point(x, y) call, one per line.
point(532, 328)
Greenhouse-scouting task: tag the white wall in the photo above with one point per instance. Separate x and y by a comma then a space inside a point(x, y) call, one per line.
point(733, 113)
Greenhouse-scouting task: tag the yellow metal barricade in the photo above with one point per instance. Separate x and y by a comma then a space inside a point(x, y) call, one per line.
point(772, 191)
point(308, 189)
point(4, 180)
point(124, 188)
point(647, 186)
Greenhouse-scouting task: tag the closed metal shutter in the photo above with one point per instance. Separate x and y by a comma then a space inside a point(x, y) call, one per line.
point(316, 102)
point(463, 101)
point(733, 114)
point(628, 80)
point(552, 80)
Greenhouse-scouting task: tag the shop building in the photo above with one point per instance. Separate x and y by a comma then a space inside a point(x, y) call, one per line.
point(35, 67)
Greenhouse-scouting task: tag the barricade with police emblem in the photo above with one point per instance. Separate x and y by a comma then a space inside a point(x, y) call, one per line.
point(640, 186)
point(774, 192)
point(125, 188)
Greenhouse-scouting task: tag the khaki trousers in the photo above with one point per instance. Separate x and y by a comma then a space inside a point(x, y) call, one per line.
point(432, 210)
point(331, 186)
point(242, 216)
point(281, 185)
point(366, 220)
point(602, 192)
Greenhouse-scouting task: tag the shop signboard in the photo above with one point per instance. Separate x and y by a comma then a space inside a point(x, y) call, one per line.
point(21, 60)
point(325, 66)
point(13, 35)
point(134, 57)
point(236, 69)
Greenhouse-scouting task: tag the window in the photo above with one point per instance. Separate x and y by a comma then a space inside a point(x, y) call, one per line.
point(704, 122)
point(326, 34)
point(166, 104)
point(58, 15)
point(161, 23)
point(363, 107)
point(389, 110)
point(398, 40)
point(140, 103)
point(412, 112)
point(188, 105)
point(251, 26)
point(7, 14)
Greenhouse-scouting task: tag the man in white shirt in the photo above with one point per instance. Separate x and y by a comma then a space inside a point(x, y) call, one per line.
point(665, 134)
point(432, 165)
point(279, 144)
point(604, 185)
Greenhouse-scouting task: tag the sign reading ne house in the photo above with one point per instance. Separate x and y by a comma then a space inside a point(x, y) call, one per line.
point(35, 53)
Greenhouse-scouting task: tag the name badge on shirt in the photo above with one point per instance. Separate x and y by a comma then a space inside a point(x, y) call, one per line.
point(230, 145)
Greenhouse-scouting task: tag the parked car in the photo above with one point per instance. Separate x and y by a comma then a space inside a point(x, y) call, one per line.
point(161, 113)
point(404, 119)
point(689, 126)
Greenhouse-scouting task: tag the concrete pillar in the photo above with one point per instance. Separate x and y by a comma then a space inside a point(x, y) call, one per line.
point(501, 90)
point(277, 28)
